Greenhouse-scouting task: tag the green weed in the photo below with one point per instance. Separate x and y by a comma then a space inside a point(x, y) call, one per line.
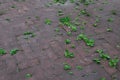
point(68, 54)
point(2, 51)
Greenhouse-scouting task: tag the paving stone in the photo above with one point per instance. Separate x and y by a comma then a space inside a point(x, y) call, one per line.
point(11, 65)
point(57, 48)
point(3, 65)
point(28, 63)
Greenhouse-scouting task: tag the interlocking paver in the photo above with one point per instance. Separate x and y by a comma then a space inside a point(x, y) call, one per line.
point(43, 55)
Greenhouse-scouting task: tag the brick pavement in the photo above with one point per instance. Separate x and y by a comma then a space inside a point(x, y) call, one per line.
point(43, 55)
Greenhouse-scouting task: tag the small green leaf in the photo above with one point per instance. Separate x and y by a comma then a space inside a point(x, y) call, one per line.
point(70, 72)
point(79, 67)
point(110, 20)
point(2, 51)
point(95, 25)
point(103, 78)
point(89, 42)
point(48, 21)
point(99, 51)
point(104, 56)
point(96, 60)
point(68, 54)
point(28, 34)
point(73, 28)
point(113, 62)
point(14, 51)
point(109, 29)
point(67, 67)
point(67, 41)
point(69, 33)
point(28, 75)
point(72, 46)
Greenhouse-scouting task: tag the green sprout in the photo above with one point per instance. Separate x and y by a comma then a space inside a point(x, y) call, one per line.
point(70, 72)
point(67, 41)
point(72, 46)
point(66, 21)
point(72, 1)
point(14, 51)
point(81, 37)
point(89, 42)
point(99, 51)
point(109, 29)
point(28, 75)
point(86, 2)
point(95, 24)
point(110, 19)
point(60, 1)
point(113, 62)
point(67, 67)
point(48, 21)
point(2, 51)
point(79, 67)
point(82, 27)
point(57, 30)
point(104, 56)
point(60, 13)
point(68, 54)
point(97, 20)
point(28, 34)
point(84, 12)
point(114, 12)
point(74, 28)
point(96, 60)
point(69, 33)
point(103, 78)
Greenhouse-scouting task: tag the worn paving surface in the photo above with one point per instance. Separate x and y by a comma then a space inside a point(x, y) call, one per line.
point(43, 55)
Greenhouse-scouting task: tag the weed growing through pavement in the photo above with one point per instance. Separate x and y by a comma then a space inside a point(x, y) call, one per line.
point(60, 12)
point(60, 1)
point(110, 19)
point(114, 12)
point(67, 22)
point(69, 33)
point(97, 60)
point(109, 29)
point(103, 78)
point(67, 41)
point(113, 62)
point(68, 54)
point(89, 42)
point(70, 72)
point(79, 67)
point(48, 21)
point(2, 51)
point(67, 66)
point(84, 12)
point(103, 56)
point(28, 75)
point(28, 34)
point(14, 51)
point(72, 46)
